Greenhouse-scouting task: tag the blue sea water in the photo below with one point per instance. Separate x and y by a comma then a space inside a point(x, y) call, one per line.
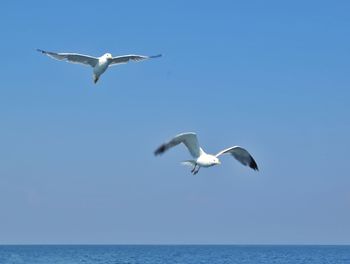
point(173, 254)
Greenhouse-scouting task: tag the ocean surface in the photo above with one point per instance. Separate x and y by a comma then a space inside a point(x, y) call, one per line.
point(174, 254)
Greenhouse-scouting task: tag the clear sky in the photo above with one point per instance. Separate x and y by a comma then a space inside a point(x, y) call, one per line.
point(77, 162)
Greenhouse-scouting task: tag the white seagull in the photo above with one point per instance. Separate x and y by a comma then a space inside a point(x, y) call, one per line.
point(99, 64)
point(202, 159)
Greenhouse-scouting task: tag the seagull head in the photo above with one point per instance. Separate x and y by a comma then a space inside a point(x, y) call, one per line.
point(108, 56)
point(216, 161)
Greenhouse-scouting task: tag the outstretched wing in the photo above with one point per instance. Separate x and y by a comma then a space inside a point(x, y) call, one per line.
point(72, 57)
point(188, 139)
point(241, 155)
point(132, 57)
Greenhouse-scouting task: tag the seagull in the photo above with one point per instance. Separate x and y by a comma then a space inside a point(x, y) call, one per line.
point(99, 64)
point(202, 159)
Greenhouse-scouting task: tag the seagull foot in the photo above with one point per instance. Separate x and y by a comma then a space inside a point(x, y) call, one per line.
point(194, 168)
point(95, 79)
point(196, 171)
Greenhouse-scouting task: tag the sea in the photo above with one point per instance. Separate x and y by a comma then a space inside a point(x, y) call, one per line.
point(184, 254)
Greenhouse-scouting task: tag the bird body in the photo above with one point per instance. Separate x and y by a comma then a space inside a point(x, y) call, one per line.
point(207, 160)
point(99, 64)
point(202, 159)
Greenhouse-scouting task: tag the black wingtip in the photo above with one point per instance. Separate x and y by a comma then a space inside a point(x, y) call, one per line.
point(156, 56)
point(159, 150)
point(253, 165)
point(41, 51)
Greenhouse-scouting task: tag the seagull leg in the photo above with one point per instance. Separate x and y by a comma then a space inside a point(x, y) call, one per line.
point(194, 173)
point(194, 168)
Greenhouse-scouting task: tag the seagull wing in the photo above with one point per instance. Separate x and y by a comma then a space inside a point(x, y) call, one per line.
point(131, 57)
point(188, 139)
point(72, 57)
point(241, 155)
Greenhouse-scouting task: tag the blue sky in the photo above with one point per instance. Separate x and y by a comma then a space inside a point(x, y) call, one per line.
point(77, 162)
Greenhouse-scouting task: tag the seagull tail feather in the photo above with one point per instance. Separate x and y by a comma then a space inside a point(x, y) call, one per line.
point(190, 163)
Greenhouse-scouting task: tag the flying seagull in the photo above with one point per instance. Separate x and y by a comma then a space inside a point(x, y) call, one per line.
point(99, 64)
point(202, 159)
